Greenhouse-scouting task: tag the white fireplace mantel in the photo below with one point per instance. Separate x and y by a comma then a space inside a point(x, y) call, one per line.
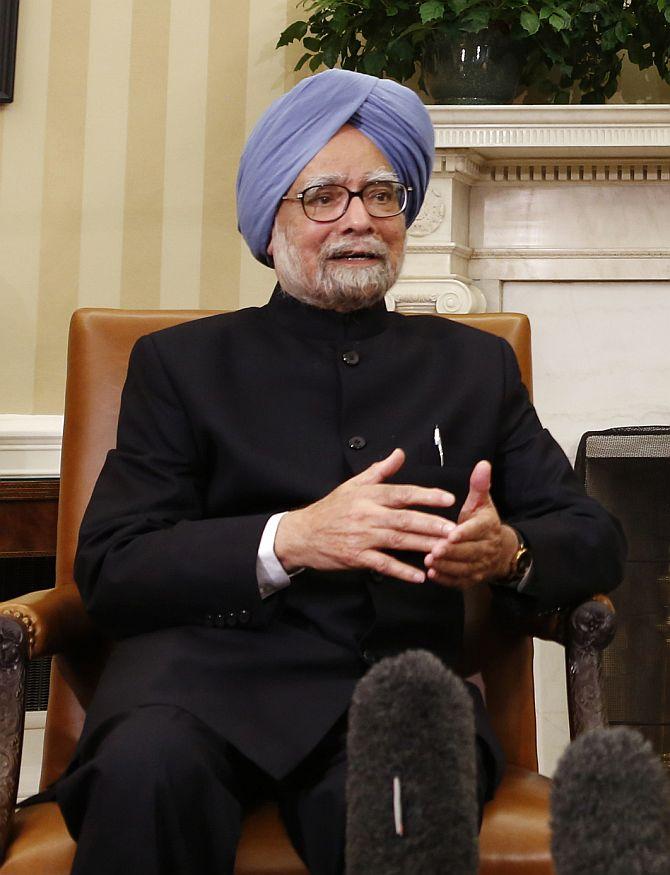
point(561, 213)
point(523, 193)
point(567, 131)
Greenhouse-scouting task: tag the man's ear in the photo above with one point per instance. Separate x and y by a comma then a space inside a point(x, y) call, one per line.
point(270, 249)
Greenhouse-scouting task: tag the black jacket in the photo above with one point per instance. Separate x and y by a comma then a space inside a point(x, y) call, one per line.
point(229, 419)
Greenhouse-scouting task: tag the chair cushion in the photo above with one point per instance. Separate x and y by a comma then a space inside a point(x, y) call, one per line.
point(264, 847)
point(39, 842)
point(514, 838)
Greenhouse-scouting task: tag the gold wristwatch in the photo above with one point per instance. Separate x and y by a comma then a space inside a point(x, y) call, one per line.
point(520, 565)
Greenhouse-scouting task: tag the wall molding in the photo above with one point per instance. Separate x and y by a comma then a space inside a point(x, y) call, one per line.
point(586, 171)
point(631, 130)
point(531, 252)
point(30, 445)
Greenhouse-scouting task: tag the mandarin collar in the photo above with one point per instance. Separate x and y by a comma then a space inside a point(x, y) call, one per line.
point(313, 322)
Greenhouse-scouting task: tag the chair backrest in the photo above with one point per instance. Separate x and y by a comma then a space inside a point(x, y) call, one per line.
point(100, 342)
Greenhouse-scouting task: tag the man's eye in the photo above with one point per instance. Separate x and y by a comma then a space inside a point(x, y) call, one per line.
point(380, 195)
point(320, 198)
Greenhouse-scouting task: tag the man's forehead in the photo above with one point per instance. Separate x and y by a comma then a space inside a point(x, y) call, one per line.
point(383, 173)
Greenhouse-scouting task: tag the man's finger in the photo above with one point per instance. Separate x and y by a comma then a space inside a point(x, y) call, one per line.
point(468, 551)
point(480, 487)
point(406, 495)
point(478, 527)
point(456, 570)
point(411, 522)
point(461, 582)
point(392, 539)
point(380, 471)
point(391, 567)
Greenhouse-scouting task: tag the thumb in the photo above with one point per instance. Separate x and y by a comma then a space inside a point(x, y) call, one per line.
point(379, 471)
point(480, 486)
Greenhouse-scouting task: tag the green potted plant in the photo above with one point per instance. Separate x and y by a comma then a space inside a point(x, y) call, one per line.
point(566, 49)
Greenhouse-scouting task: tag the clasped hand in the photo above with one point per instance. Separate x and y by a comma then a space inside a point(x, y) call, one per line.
point(355, 524)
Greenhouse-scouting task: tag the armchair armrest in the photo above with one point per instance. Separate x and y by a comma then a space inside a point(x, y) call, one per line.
point(13, 660)
point(585, 630)
point(589, 630)
point(54, 619)
point(36, 624)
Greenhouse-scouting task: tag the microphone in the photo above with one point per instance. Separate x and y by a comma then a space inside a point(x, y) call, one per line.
point(411, 782)
point(610, 807)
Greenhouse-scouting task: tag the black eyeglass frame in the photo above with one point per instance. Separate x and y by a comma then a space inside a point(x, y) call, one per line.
point(300, 196)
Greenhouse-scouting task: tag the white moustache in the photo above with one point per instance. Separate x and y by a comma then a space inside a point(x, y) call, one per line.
point(346, 248)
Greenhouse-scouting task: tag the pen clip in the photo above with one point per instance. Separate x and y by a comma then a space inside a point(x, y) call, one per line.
point(437, 440)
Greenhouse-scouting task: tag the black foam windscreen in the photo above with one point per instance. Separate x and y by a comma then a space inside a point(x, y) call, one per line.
point(411, 785)
point(610, 807)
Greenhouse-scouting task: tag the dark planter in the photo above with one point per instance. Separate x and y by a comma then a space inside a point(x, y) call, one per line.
point(471, 68)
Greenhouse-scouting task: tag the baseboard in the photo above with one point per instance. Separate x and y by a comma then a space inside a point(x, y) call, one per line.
point(31, 759)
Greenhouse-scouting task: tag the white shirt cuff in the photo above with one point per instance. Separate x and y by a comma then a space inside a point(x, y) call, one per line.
point(270, 572)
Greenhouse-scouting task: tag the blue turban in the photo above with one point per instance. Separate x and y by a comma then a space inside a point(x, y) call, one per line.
point(299, 124)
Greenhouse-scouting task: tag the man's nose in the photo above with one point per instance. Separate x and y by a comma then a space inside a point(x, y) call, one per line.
point(356, 215)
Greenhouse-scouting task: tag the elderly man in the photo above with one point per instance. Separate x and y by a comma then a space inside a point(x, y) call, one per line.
point(297, 490)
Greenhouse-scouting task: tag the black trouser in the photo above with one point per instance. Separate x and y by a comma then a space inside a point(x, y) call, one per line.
point(162, 794)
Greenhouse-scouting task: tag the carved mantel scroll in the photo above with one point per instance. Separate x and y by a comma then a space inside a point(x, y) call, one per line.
point(509, 183)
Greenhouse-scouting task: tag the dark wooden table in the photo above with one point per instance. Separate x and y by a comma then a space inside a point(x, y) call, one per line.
point(28, 513)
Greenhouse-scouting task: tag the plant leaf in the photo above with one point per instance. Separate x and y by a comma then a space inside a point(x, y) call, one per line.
point(458, 6)
point(530, 22)
point(315, 63)
point(373, 63)
point(621, 31)
point(295, 31)
point(431, 10)
point(331, 53)
point(476, 20)
point(301, 63)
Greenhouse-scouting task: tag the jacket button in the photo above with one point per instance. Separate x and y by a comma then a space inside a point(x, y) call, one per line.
point(369, 657)
point(209, 619)
point(231, 618)
point(244, 616)
point(357, 442)
point(219, 621)
point(351, 357)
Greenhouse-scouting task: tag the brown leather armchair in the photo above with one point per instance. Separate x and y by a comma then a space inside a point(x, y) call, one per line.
point(515, 833)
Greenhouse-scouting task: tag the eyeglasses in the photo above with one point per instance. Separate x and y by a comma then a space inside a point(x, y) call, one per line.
point(328, 203)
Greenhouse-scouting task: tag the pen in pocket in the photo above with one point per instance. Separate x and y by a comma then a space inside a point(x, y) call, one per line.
point(437, 440)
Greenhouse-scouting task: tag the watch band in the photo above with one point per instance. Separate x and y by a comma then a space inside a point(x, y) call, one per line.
point(520, 564)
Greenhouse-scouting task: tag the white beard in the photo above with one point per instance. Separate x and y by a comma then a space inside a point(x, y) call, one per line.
point(337, 285)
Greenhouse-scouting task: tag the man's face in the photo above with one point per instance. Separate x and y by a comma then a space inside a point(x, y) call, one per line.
point(349, 263)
